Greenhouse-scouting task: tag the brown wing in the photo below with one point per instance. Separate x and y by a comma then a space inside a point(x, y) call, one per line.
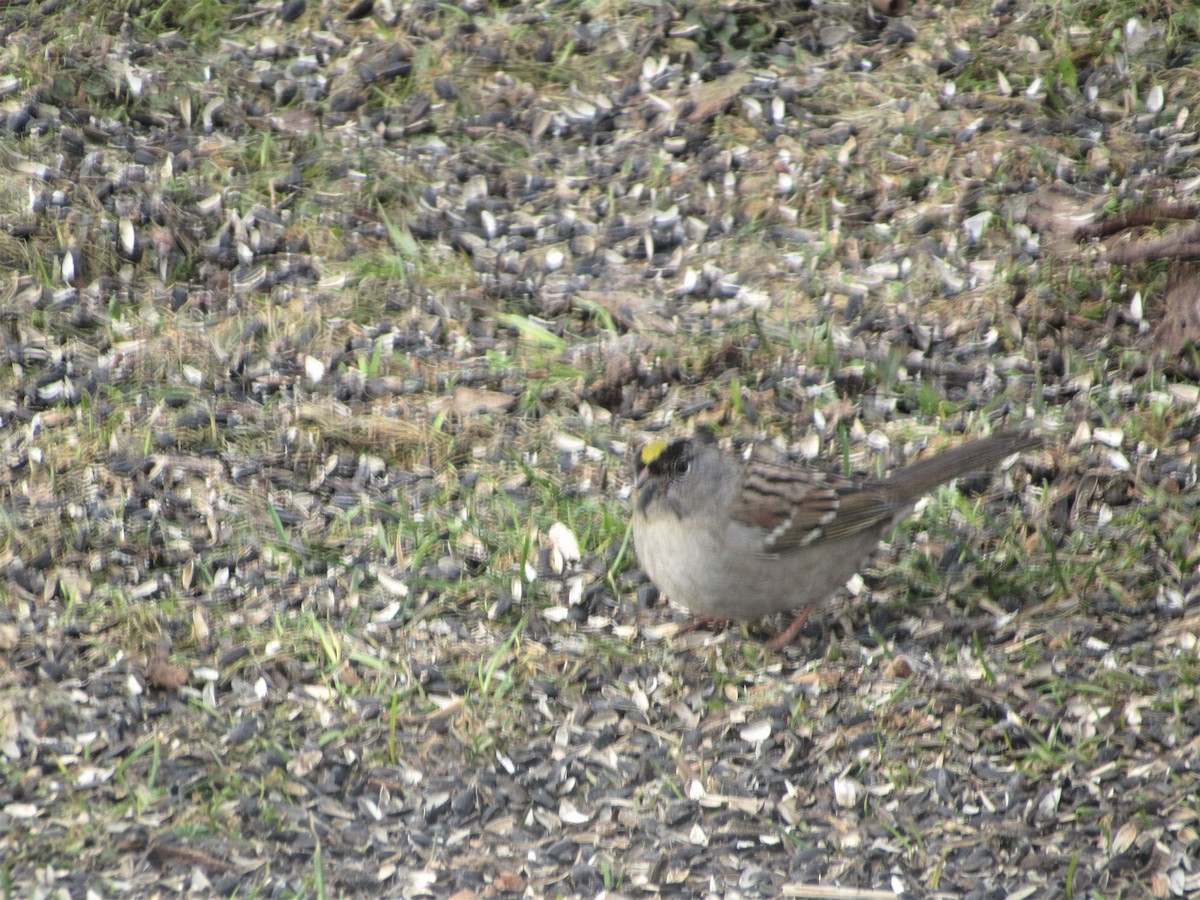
point(863, 507)
point(796, 506)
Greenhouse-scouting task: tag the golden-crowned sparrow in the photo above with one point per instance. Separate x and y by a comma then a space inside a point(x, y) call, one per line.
point(735, 539)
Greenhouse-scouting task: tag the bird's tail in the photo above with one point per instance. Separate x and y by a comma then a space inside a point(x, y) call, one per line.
point(923, 476)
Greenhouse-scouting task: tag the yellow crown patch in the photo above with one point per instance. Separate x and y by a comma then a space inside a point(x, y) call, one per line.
point(652, 451)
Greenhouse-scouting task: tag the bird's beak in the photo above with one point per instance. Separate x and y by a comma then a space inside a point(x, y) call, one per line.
point(645, 489)
point(645, 459)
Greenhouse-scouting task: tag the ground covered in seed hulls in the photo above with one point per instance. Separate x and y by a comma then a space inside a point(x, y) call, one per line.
point(329, 332)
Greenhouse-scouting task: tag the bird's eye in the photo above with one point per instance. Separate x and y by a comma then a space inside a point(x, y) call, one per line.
point(681, 467)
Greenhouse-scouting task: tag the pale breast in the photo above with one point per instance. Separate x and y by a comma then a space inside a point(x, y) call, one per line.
point(721, 574)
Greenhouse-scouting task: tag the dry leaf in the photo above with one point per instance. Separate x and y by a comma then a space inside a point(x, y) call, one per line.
point(509, 882)
point(469, 401)
point(164, 675)
point(1180, 322)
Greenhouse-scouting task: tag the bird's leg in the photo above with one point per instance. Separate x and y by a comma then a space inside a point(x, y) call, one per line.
point(788, 634)
point(697, 622)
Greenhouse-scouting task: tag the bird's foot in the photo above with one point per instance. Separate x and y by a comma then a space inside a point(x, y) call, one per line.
point(785, 637)
point(715, 623)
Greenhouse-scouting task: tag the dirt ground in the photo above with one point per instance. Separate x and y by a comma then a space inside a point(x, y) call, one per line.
point(331, 331)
